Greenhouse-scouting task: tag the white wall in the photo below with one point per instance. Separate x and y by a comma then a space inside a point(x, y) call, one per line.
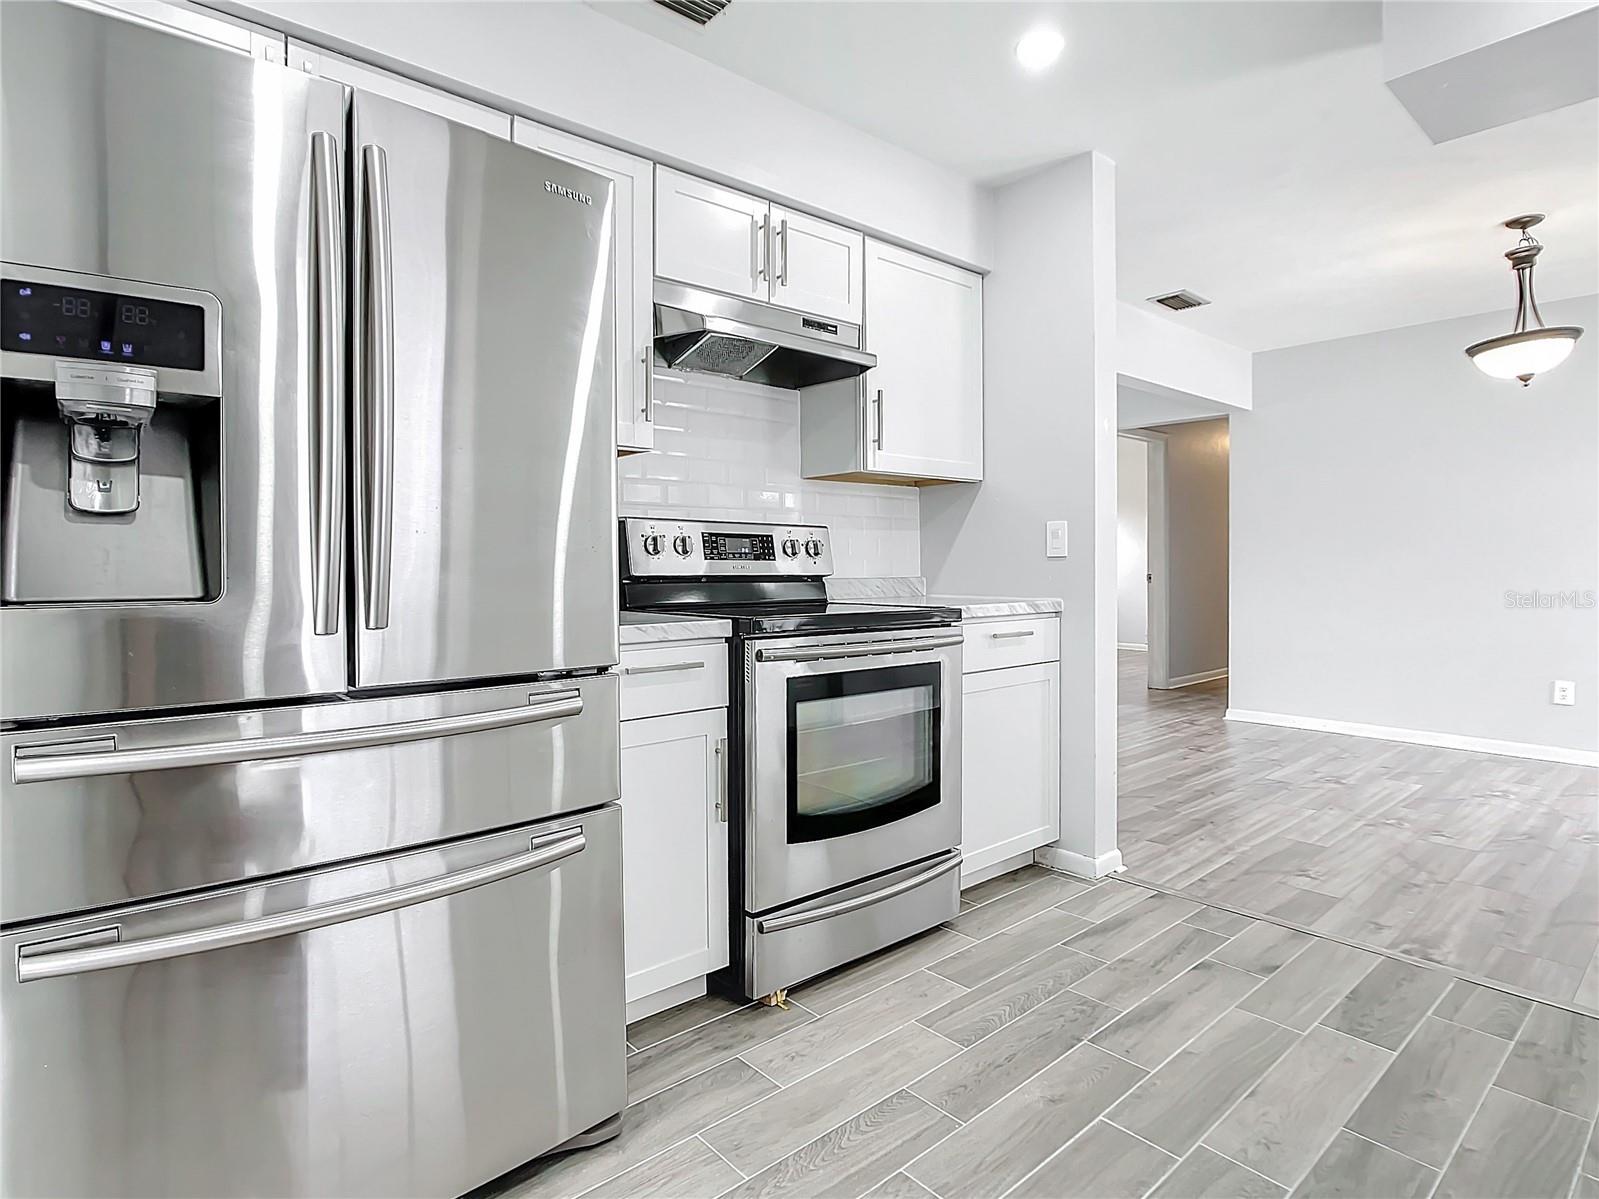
point(1386, 496)
point(570, 65)
point(1158, 354)
point(1132, 542)
point(726, 450)
point(1049, 391)
point(1196, 491)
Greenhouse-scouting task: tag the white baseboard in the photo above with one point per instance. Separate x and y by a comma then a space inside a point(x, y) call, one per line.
point(1137, 645)
point(1188, 680)
point(1082, 866)
point(1379, 732)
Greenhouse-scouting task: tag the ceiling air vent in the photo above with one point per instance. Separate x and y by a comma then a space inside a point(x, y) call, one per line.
point(1177, 301)
point(698, 11)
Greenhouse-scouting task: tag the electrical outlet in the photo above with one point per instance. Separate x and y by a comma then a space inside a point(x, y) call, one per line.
point(1564, 691)
point(1054, 539)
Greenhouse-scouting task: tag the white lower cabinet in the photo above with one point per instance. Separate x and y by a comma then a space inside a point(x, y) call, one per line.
point(674, 848)
point(1010, 762)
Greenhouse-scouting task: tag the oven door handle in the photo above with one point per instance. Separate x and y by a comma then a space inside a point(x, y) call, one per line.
point(871, 649)
point(938, 869)
point(39, 962)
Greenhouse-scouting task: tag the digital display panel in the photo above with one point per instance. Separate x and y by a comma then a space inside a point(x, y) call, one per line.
point(42, 318)
point(753, 547)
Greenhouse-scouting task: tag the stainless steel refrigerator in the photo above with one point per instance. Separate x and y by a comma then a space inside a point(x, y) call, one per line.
point(309, 854)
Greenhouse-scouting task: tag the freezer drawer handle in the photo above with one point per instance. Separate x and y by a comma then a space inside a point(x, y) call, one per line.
point(36, 965)
point(940, 868)
point(859, 650)
point(29, 766)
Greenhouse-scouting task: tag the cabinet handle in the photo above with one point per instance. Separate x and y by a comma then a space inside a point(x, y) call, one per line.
point(1012, 633)
point(877, 437)
point(782, 262)
point(649, 383)
point(721, 779)
point(761, 250)
point(665, 668)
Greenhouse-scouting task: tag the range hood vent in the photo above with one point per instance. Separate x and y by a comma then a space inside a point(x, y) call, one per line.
point(698, 11)
point(1178, 301)
point(713, 334)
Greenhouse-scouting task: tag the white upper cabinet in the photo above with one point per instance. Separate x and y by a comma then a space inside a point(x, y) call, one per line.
point(711, 236)
point(816, 265)
point(633, 252)
point(714, 237)
point(917, 416)
point(924, 399)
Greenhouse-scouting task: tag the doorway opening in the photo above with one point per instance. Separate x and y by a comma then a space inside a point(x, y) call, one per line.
point(1172, 551)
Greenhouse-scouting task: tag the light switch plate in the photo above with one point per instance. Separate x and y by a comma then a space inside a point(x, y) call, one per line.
point(1055, 539)
point(1563, 692)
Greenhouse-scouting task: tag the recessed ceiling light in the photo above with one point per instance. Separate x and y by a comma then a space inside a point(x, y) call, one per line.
point(1039, 48)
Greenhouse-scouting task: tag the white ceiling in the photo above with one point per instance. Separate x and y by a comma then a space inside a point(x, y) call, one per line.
point(1260, 159)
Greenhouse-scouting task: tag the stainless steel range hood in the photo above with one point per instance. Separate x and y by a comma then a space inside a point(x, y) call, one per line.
point(713, 334)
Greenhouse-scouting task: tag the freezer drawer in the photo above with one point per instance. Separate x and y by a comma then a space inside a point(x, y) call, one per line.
point(96, 815)
point(331, 1033)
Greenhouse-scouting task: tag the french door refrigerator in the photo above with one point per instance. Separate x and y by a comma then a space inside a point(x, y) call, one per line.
point(309, 855)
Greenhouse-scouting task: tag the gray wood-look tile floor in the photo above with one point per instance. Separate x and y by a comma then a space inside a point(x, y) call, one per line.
point(1065, 1039)
point(1486, 865)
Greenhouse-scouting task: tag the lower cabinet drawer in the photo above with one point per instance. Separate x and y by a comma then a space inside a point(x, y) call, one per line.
point(673, 678)
point(996, 644)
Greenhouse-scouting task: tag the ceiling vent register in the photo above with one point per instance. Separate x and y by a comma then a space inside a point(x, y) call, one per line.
point(698, 11)
point(1178, 301)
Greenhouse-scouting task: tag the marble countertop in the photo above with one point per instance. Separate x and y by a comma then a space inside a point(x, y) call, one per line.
point(913, 592)
point(648, 628)
point(979, 607)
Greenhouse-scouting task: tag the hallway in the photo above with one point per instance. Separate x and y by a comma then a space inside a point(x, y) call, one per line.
point(1487, 866)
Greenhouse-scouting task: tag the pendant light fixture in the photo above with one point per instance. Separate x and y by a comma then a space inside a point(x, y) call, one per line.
point(1531, 347)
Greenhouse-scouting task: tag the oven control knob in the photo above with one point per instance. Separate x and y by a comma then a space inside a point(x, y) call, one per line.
point(654, 543)
point(813, 547)
point(791, 548)
point(683, 544)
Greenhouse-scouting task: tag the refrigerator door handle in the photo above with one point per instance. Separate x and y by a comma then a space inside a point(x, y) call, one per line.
point(34, 963)
point(44, 763)
point(375, 449)
point(327, 378)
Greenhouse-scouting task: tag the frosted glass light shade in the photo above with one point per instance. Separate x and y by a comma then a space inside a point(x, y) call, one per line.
point(1523, 355)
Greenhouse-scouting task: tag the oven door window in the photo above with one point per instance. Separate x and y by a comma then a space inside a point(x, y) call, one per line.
point(863, 749)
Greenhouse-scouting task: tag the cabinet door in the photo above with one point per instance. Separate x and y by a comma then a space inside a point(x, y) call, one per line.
point(1010, 763)
point(816, 266)
point(674, 848)
point(924, 399)
point(633, 256)
point(711, 236)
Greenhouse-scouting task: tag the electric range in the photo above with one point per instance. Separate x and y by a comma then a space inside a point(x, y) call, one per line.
point(844, 772)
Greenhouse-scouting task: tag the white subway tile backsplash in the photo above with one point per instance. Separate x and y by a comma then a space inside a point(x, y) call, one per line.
point(730, 451)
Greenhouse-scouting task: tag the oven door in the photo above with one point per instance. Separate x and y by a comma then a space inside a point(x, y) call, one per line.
point(853, 765)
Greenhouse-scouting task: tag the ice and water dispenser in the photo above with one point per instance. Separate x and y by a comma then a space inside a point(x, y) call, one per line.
point(111, 402)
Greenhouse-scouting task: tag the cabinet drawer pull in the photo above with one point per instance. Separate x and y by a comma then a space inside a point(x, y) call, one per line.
point(665, 668)
point(1012, 633)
